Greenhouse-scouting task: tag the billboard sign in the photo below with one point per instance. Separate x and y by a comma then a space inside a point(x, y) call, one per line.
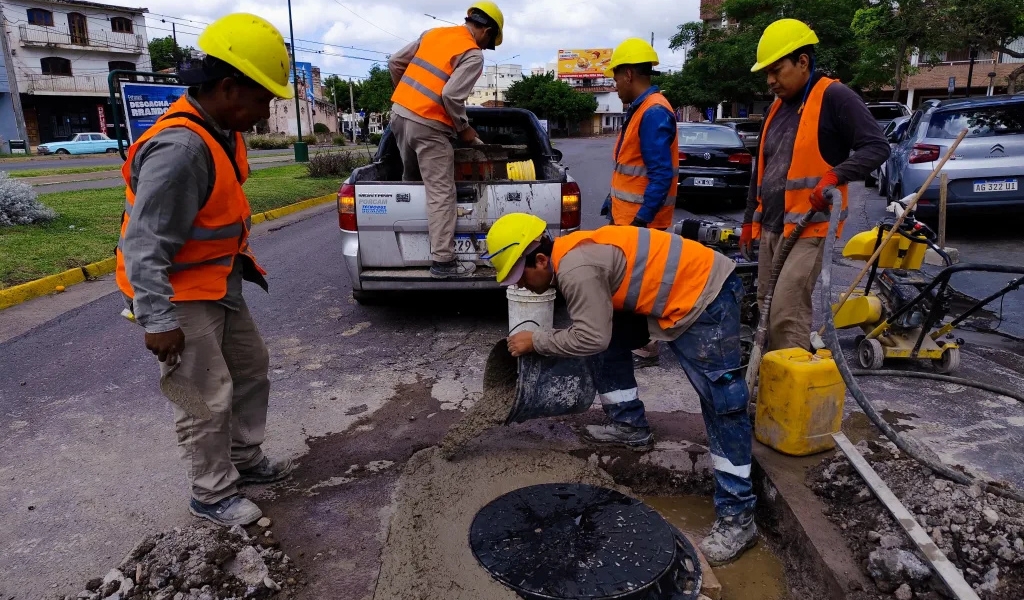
point(583, 64)
point(305, 73)
point(143, 104)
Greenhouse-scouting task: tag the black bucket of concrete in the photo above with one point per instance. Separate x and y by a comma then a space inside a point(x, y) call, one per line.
point(575, 541)
point(544, 386)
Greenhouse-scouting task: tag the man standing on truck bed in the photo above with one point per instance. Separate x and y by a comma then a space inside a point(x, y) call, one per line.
point(806, 140)
point(433, 77)
point(689, 297)
point(184, 252)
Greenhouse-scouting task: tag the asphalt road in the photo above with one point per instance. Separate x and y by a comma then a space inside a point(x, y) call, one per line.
point(89, 462)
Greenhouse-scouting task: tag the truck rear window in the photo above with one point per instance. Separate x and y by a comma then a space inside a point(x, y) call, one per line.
point(881, 113)
point(980, 121)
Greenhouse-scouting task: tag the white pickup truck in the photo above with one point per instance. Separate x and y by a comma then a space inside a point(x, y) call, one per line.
point(383, 220)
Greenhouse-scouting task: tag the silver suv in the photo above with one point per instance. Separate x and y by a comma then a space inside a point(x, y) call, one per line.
point(987, 170)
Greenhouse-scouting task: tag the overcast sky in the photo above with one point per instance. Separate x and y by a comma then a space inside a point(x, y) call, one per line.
point(534, 29)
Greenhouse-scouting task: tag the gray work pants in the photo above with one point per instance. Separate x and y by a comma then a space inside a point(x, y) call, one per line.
point(792, 313)
point(226, 359)
point(428, 156)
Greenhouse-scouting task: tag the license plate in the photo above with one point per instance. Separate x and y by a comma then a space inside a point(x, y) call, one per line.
point(704, 181)
point(464, 246)
point(1005, 185)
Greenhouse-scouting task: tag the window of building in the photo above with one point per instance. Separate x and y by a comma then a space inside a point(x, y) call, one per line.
point(39, 16)
point(120, 65)
point(120, 25)
point(79, 28)
point(55, 65)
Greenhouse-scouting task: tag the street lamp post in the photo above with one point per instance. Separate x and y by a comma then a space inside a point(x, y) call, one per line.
point(301, 148)
point(992, 83)
point(496, 65)
point(970, 69)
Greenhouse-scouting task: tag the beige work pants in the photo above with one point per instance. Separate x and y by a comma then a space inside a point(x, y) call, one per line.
point(789, 322)
point(226, 359)
point(428, 156)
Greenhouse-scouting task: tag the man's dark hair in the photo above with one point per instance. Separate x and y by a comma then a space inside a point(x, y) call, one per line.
point(641, 69)
point(482, 19)
point(205, 75)
point(546, 247)
point(794, 56)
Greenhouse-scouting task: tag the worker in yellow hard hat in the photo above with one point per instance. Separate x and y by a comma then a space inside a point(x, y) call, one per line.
point(433, 77)
point(184, 253)
point(818, 133)
point(684, 294)
point(646, 155)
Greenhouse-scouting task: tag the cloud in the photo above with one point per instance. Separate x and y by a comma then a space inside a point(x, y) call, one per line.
point(534, 29)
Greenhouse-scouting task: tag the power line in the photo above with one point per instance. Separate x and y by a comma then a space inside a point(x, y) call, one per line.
point(360, 17)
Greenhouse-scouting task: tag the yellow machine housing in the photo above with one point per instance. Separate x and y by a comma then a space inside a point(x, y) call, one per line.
point(799, 401)
point(898, 253)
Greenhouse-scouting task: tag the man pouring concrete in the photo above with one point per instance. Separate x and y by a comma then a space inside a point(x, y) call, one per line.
point(806, 143)
point(691, 300)
point(433, 77)
point(184, 253)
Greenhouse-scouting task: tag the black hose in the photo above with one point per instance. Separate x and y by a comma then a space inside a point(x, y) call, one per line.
point(944, 378)
point(907, 445)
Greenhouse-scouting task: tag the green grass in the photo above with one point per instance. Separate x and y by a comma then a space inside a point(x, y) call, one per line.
point(65, 171)
point(89, 223)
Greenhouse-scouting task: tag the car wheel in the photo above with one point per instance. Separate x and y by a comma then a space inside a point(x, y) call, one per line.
point(111, 150)
point(62, 151)
point(883, 185)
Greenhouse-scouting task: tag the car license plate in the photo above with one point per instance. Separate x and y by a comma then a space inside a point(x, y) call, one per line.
point(1005, 185)
point(704, 181)
point(464, 246)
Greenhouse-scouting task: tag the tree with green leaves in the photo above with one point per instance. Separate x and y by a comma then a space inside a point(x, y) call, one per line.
point(551, 99)
point(165, 53)
point(989, 26)
point(375, 91)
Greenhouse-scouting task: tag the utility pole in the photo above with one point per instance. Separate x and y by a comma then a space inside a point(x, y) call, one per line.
point(337, 117)
point(301, 149)
point(174, 34)
point(12, 80)
point(352, 108)
point(970, 69)
point(652, 38)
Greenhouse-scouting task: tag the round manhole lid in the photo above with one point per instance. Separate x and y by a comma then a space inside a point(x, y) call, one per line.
point(575, 541)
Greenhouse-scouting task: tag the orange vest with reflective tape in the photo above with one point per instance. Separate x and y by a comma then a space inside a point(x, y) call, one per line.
point(665, 273)
point(629, 179)
point(420, 88)
point(220, 231)
point(805, 170)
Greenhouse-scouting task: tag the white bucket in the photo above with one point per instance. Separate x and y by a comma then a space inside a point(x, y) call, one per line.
point(528, 311)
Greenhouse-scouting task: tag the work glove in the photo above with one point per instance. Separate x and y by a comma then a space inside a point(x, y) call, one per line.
point(818, 200)
point(747, 241)
point(638, 223)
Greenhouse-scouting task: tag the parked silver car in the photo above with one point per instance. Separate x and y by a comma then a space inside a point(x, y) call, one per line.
point(893, 132)
point(987, 169)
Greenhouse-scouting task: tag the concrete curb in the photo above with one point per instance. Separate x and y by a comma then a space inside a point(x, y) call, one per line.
point(46, 285)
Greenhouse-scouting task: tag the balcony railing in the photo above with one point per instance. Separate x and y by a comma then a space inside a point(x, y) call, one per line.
point(67, 84)
point(56, 36)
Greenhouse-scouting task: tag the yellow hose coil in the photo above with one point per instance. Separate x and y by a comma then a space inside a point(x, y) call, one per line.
point(522, 171)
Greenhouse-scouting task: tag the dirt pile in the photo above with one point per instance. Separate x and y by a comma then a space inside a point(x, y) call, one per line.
point(199, 562)
point(982, 534)
point(493, 407)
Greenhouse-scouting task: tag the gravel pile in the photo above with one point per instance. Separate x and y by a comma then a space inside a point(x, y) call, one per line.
point(200, 562)
point(982, 534)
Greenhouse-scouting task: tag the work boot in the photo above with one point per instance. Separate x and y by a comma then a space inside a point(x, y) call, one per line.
point(231, 511)
point(266, 471)
point(452, 268)
point(648, 356)
point(729, 538)
point(637, 438)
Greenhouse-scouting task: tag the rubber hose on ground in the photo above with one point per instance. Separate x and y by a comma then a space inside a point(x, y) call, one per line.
point(944, 378)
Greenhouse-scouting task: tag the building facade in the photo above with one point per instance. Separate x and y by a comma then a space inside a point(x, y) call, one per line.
point(61, 52)
point(930, 81)
point(493, 83)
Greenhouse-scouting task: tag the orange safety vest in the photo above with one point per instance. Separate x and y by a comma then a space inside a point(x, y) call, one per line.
point(806, 168)
point(220, 231)
point(665, 273)
point(629, 179)
point(420, 88)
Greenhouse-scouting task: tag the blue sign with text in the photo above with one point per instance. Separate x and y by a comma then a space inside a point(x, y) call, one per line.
point(143, 104)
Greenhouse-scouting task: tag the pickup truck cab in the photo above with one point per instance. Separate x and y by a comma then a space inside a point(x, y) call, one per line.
point(383, 220)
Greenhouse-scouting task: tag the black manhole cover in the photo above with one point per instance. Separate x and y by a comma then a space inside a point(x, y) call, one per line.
point(574, 541)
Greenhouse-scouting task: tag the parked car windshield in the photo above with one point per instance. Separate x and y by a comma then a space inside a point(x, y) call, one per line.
point(885, 112)
point(980, 121)
point(703, 135)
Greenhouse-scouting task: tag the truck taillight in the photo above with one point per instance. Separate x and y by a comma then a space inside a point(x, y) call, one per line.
point(922, 153)
point(347, 208)
point(571, 214)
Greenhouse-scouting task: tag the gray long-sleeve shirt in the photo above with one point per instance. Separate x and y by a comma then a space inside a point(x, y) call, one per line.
point(172, 176)
point(846, 125)
point(587, 278)
point(468, 68)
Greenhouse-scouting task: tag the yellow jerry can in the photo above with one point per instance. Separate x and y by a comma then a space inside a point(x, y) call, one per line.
point(799, 401)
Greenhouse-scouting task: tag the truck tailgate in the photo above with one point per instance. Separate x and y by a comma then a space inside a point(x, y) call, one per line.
point(392, 218)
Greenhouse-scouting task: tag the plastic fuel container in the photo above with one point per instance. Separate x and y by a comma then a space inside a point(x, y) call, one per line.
point(800, 401)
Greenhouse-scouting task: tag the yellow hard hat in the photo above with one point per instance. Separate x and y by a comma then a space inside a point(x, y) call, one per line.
point(633, 51)
point(780, 39)
point(253, 46)
point(491, 10)
point(508, 238)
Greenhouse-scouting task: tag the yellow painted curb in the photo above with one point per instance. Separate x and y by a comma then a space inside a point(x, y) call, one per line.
point(48, 285)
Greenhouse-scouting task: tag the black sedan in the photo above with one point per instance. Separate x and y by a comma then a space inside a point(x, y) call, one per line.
point(712, 162)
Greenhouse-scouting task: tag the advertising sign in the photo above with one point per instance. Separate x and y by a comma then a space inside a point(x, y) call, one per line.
point(103, 118)
point(583, 64)
point(143, 104)
point(305, 73)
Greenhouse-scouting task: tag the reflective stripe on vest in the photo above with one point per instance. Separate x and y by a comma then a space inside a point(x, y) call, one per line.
point(419, 90)
point(219, 232)
point(665, 274)
point(805, 170)
point(629, 175)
